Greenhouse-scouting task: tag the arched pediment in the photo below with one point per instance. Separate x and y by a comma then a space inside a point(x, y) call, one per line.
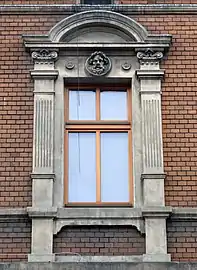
point(98, 28)
point(98, 21)
point(97, 34)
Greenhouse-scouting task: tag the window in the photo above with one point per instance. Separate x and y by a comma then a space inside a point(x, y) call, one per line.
point(98, 146)
point(97, 2)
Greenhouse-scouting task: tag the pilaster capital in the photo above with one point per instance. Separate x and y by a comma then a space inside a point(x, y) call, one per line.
point(44, 59)
point(149, 56)
point(44, 55)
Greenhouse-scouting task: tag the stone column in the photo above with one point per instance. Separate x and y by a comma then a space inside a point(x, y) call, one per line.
point(154, 211)
point(42, 210)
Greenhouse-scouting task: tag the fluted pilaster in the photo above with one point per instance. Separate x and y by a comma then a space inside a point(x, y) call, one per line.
point(150, 76)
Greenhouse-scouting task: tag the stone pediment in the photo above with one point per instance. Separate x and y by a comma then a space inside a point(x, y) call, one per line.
point(101, 28)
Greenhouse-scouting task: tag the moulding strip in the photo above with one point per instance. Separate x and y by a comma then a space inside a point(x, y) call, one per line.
point(124, 9)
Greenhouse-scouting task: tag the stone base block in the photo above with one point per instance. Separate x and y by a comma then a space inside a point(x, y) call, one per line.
point(156, 257)
point(41, 257)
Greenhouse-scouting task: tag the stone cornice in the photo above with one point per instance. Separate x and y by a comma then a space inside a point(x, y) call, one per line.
point(29, 44)
point(34, 212)
point(184, 213)
point(124, 9)
point(9, 212)
point(177, 213)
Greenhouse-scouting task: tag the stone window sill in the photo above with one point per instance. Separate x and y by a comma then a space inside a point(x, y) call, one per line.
point(77, 258)
point(90, 216)
point(99, 216)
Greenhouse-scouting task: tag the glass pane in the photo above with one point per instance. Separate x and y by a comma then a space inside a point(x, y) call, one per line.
point(114, 105)
point(82, 105)
point(114, 167)
point(82, 167)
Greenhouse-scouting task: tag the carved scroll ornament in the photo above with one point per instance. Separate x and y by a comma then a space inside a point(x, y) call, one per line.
point(149, 55)
point(44, 55)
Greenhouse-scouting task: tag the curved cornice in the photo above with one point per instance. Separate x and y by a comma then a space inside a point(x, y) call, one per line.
point(98, 17)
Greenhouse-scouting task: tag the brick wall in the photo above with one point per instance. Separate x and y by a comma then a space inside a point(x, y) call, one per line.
point(179, 99)
point(182, 240)
point(16, 107)
point(15, 239)
point(179, 114)
point(178, 106)
point(94, 240)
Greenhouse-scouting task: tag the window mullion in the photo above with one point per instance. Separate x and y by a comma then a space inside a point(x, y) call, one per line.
point(110, 128)
point(97, 104)
point(98, 168)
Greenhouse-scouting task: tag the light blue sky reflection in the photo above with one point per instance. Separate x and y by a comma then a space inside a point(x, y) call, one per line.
point(82, 167)
point(114, 167)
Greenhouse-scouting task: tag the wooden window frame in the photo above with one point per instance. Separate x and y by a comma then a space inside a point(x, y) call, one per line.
point(97, 126)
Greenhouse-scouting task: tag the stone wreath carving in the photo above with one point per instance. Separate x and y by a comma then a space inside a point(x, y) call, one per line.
point(98, 64)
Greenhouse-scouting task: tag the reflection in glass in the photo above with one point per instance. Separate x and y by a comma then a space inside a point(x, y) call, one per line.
point(82, 105)
point(114, 167)
point(82, 167)
point(113, 105)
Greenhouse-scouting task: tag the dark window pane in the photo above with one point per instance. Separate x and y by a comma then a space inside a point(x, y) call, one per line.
point(97, 2)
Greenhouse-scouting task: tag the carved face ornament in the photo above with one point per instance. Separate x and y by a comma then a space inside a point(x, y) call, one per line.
point(98, 64)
